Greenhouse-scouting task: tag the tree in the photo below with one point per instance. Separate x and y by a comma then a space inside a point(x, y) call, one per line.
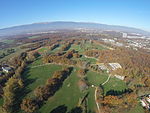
point(81, 72)
point(11, 90)
point(112, 100)
point(29, 105)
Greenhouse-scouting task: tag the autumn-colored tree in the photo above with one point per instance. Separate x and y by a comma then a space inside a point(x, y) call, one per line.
point(29, 105)
point(81, 72)
point(112, 100)
point(147, 82)
point(11, 90)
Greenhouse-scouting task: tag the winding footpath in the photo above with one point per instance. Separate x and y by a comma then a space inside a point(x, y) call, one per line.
point(106, 80)
point(96, 89)
point(96, 100)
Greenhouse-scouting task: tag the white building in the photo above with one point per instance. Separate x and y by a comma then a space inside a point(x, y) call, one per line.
point(115, 66)
point(148, 99)
point(143, 103)
point(120, 77)
point(6, 69)
point(124, 35)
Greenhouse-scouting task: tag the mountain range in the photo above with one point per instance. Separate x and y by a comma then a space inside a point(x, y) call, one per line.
point(61, 25)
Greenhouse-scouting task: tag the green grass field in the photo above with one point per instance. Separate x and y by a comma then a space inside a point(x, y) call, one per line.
point(32, 37)
point(43, 49)
point(38, 76)
point(18, 50)
point(8, 41)
point(47, 50)
point(137, 109)
point(86, 46)
point(113, 84)
point(68, 95)
point(91, 60)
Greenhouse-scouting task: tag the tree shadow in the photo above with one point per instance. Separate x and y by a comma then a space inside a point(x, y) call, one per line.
point(117, 93)
point(24, 91)
point(76, 110)
point(60, 109)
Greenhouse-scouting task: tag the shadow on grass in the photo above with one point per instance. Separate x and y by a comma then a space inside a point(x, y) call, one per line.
point(76, 110)
point(117, 93)
point(60, 109)
point(24, 91)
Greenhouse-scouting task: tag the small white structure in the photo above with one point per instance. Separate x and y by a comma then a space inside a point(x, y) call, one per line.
point(120, 77)
point(6, 69)
point(124, 35)
point(143, 103)
point(148, 99)
point(102, 66)
point(92, 85)
point(115, 66)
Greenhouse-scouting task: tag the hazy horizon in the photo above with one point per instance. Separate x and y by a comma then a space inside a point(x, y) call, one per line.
point(71, 21)
point(123, 13)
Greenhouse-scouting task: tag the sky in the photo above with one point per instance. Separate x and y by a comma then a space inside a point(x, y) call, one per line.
point(132, 13)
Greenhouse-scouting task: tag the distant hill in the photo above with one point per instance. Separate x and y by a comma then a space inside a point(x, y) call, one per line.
point(47, 26)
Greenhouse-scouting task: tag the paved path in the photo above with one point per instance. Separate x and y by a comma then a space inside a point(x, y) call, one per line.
point(50, 64)
point(96, 88)
point(40, 65)
point(106, 80)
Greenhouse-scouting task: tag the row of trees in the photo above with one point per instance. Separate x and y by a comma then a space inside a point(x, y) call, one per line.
point(54, 46)
point(42, 93)
point(92, 53)
point(58, 59)
point(121, 103)
point(7, 52)
point(14, 86)
point(66, 47)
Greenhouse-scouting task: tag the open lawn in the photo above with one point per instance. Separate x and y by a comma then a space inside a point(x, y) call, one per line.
point(43, 49)
point(47, 50)
point(18, 50)
point(8, 41)
point(35, 77)
point(91, 60)
point(113, 84)
point(69, 95)
point(86, 46)
point(137, 109)
point(32, 37)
